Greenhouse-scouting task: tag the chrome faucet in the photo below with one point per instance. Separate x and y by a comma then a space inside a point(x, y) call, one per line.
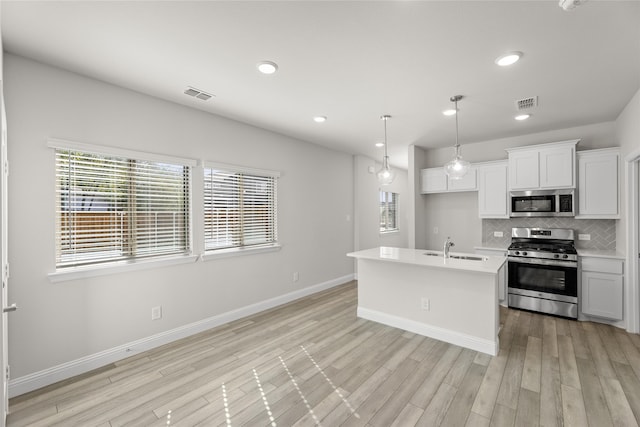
point(447, 245)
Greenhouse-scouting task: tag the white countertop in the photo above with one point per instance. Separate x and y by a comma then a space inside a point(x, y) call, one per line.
point(417, 257)
point(601, 254)
point(490, 248)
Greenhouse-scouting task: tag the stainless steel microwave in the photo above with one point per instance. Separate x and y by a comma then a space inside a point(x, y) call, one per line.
point(542, 203)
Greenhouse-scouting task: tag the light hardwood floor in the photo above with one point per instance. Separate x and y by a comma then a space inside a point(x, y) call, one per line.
point(313, 362)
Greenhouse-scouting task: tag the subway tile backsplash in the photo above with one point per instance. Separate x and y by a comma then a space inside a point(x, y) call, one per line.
point(602, 231)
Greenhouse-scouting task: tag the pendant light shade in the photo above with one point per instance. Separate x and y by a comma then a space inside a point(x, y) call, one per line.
point(456, 168)
point(386, 175)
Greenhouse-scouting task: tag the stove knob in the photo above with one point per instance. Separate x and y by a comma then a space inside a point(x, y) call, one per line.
point(565, 256)
point(517, 252)
point(524, 253)
point(557, 256)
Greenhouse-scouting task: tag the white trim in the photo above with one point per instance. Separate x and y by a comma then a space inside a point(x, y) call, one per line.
point(452, 337)
point(120, 152)
point(632, 275)
point(241, 169)
point(79, 366)
point(244, 250)
point(95, 270)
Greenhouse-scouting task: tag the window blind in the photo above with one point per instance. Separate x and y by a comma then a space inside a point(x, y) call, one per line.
point(240, 209)
point(388, 211)
point(111, 208)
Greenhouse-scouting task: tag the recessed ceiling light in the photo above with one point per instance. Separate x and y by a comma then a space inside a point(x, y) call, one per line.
point(450, 112)
point(379, 144)
point(522, 117)
point(320, 119)
point(267, 67)
point(508, 58)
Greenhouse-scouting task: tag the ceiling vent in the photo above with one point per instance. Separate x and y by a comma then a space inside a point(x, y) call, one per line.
point(197, 93)
point(527, 103)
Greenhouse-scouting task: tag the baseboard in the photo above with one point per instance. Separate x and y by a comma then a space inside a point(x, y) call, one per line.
point(441, 334)
point(79, 366)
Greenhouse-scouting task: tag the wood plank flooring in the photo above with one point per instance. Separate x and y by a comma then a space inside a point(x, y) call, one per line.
point(313, 362)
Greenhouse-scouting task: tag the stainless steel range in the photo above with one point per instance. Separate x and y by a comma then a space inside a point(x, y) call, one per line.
point(543, 271)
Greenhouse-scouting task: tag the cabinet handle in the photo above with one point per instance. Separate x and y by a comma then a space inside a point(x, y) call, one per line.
point(12, 307)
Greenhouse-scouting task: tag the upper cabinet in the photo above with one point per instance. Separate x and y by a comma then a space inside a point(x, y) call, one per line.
point(545, 166)
point(598, 183)
point(492, 190)
point(435, 180)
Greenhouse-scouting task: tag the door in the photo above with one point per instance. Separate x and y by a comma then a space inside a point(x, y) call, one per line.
point(4, 374)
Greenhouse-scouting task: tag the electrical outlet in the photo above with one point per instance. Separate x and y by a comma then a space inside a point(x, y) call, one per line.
point(435, 230)
point(296, 276)
point(425, 304)
point(497, 234)
point(584, 236)
point(156, 313)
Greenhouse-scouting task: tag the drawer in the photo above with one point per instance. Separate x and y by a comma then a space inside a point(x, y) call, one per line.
point(602, 265)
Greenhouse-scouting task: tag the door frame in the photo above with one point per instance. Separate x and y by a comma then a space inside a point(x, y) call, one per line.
point(632, 294)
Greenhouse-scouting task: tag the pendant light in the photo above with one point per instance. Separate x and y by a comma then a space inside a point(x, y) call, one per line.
point(456, 168)
point(386, 175)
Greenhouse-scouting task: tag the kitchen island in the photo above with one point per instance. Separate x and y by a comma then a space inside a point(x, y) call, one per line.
point(450, 299)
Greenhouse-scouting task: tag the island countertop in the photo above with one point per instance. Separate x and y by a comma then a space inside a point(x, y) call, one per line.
point(489, 264)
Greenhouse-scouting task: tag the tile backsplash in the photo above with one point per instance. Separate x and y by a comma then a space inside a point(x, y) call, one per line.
point(602, 231)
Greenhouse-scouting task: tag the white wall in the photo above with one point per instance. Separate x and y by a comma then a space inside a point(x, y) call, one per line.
point(628, 137)
point(417, 206)
point(367, 206)
point(456, 214)
point(60, 322)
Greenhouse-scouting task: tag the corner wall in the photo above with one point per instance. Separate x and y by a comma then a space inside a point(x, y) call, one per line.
point(59, 323)
point(367, 206)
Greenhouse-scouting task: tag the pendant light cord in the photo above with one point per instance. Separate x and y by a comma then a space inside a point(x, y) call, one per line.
point(385, 137)
point(457, 143)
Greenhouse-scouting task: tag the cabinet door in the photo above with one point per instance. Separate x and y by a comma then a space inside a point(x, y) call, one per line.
point(523, 170)
point(598, 184)
point(434, 180)
point(492, 191)
point(602, 295)
point(557, 167)
point(466, 183)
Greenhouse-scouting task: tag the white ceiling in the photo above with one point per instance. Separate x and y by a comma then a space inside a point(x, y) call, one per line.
point(352, 62)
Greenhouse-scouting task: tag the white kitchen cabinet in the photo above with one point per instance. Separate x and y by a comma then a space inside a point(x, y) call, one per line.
point(524, 167)
point(492, 190)
point(598, 184)
point(502, 274)
point(557, 166)
point(544, 166)
point(435, 180)
point(602, 287)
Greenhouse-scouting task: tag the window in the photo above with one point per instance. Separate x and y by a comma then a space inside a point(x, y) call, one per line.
point(113, 208)
point(240, 207)
point(388, 211)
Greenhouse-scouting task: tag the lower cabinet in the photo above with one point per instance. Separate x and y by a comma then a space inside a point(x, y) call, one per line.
point(502, 274)
point(602, 287)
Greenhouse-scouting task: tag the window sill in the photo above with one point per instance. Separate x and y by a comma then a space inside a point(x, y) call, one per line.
point(382, 233)
point(231, 252)
point(74, 273)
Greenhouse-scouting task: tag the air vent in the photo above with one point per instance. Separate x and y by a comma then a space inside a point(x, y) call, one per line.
point(197, 93)
point(527, 103)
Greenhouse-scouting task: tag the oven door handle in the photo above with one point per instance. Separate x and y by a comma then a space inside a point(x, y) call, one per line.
point(542, 261)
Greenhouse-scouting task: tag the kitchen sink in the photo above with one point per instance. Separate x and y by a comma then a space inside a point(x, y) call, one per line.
point(470, 257)
point(433, 253)
point(456, 256)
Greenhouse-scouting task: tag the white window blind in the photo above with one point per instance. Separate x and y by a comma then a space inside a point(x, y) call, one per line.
point(240, 208)
point(111, 208)
point(388, 211)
